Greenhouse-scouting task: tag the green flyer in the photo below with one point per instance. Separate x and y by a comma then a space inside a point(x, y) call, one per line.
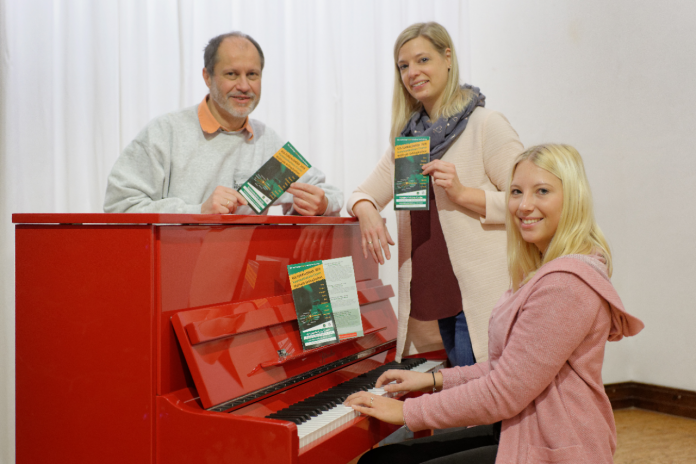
point(326, 301)
point(312, 304)
point(274, 178)
point(411, 187)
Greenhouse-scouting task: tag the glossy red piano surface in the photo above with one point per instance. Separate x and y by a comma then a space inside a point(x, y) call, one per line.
point(100, 374)
point(233, 349)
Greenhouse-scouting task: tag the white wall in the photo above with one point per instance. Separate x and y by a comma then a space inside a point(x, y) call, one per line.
point(615, 79)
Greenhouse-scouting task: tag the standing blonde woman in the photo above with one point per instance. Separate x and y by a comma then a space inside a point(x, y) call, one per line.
point(542, 387)
point(451, 258)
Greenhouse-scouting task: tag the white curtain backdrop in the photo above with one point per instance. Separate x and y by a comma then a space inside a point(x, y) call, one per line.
point(79, 79)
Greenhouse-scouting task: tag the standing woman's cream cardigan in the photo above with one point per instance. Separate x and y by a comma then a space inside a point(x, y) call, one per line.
point(483, 155)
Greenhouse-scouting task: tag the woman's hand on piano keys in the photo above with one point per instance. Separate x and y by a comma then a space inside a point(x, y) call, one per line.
point(385, 409)
point(408, 381)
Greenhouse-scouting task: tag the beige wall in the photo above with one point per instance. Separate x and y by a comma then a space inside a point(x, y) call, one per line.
point(616, 79)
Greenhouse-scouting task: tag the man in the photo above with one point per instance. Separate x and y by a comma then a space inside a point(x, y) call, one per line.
point(194, 160)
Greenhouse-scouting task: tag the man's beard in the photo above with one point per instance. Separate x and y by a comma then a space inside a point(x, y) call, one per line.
point(224, 103)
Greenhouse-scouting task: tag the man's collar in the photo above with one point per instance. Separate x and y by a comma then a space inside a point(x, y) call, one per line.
point(210, 125)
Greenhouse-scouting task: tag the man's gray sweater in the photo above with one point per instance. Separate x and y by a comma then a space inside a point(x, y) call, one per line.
point(173, 166)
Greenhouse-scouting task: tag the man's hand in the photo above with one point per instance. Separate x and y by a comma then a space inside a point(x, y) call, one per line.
point(308, 200)
point(224, 200)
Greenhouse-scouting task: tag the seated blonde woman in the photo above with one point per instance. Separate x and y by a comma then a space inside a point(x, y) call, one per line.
point(539, 397)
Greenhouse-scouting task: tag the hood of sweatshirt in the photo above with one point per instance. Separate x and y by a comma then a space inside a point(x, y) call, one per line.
point(592, 269)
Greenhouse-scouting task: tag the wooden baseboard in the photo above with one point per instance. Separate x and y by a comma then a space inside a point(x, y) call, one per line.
point(653, 398)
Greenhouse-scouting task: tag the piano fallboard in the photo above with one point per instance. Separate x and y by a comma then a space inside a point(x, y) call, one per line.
point(232, 350)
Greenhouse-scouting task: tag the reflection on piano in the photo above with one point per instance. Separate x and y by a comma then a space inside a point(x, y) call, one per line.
point(173, 339)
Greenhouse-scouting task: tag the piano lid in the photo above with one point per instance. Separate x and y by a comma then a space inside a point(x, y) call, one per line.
point(243, 351)
point(165, 218)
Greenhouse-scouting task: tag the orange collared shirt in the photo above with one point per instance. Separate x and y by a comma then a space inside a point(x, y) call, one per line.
point(210, 125)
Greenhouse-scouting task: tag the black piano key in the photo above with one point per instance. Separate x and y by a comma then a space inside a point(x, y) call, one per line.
point(317, 405)
point(329, 401)
point(296, 418)
point(288, 413)
point(293, 412)
point(310, 410)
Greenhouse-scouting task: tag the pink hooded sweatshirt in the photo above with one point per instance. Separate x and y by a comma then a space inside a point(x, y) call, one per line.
point(543, 379)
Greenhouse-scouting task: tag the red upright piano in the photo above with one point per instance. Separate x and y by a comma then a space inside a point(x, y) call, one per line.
point(156, 338)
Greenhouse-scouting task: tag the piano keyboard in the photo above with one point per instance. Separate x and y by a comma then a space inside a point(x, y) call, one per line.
point(324, 412)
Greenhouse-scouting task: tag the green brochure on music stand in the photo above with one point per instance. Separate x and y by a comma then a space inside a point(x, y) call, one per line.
point(326, 301)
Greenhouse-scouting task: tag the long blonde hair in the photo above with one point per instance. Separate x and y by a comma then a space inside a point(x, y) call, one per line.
point(454, 99)
point(577, 232)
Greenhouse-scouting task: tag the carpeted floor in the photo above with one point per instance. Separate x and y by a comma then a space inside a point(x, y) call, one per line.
point(647, 437)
